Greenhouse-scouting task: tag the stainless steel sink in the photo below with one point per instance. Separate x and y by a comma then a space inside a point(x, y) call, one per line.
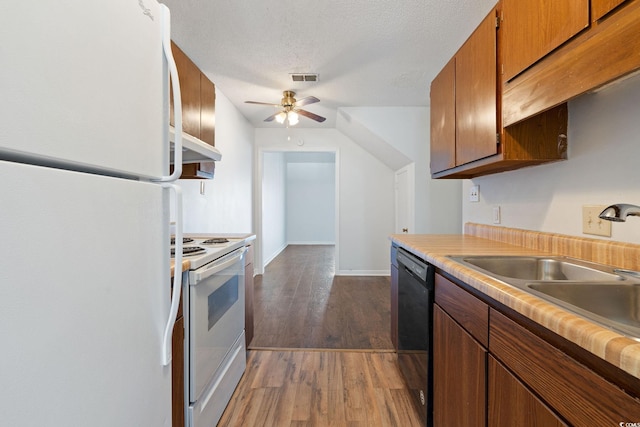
point(541, 268)
point(602, 294)
point(616, 305)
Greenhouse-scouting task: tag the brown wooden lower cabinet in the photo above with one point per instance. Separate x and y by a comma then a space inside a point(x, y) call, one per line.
point(459, 374)
point(177, 370)
point(512, 404)
point(574, 391)
point(248, 295)
point(177, 375)
point(520, 378)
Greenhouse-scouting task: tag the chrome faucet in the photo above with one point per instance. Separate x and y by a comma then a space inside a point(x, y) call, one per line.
point(619, 212)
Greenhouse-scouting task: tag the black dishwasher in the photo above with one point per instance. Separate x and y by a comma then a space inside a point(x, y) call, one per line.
point(415, 319)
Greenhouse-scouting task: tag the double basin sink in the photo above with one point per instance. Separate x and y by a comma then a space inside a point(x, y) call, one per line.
point(608, 296)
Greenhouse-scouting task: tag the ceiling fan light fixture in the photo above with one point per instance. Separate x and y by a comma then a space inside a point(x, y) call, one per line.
point(293, 118)
point(280, 118)
point(290, 110)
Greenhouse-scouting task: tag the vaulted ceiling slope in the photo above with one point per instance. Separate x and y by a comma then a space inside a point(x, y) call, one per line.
point(366, 52)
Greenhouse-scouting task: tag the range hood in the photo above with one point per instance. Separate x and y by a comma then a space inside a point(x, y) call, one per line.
point(194, 150)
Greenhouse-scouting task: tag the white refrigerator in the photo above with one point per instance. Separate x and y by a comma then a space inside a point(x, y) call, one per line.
point(85, 286)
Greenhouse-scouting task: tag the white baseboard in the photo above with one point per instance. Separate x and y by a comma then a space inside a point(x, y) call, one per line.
point(363, 273)
point(313, 243)
point(275, 254)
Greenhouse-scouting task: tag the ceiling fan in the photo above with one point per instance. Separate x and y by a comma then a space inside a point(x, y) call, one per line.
point(290, 109)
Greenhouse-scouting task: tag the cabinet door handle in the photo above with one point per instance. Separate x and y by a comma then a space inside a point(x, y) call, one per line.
point(405, 230)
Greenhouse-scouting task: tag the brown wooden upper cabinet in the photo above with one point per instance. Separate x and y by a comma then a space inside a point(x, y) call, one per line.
point(198, 110)
point(443, 118)
point(556, 50)
point(463, 102)
point(467, 137)
point(599, 8)
point(476, 94)
point(533, 28)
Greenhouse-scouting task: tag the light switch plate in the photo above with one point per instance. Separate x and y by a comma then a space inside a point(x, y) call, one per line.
point(592, 224)
point(474, 193)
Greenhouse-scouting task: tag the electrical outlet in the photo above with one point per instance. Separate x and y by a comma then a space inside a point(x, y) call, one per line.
point(496, 214)
point(474, 193)
point(592, 224)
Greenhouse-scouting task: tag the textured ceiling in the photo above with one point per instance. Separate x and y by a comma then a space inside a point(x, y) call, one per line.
point(367, 52)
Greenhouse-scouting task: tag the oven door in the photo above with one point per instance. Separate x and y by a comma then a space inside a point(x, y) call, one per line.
point(216, 317)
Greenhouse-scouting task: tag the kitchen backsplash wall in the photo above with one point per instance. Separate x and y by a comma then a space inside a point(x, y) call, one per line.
point(603, 168)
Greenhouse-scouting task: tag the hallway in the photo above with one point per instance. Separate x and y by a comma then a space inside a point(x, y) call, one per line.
point(299, 303)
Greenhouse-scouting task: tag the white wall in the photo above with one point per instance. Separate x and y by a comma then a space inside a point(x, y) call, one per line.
point(311, 195)
point(438, 208)
point(603, 165)
point(274, 177)
point(227, 205)
point(365, 195)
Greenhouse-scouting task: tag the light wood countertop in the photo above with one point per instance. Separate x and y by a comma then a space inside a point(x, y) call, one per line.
point(185, 266)
point(620, 351)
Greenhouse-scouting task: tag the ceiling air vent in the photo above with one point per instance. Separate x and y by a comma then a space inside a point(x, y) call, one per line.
point(304, 77)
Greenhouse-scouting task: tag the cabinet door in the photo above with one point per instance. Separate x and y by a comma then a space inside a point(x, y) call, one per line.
point(248, 296)
point(207, 110)
point(574, 391)
point(600, 8)
point(177, 374)
point(443, 119)
point(476, 94)
point(533, 28)
point(512, 404)
point(189, 76)
point(459, 374)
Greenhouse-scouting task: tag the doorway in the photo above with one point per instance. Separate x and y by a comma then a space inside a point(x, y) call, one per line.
point(296, 201)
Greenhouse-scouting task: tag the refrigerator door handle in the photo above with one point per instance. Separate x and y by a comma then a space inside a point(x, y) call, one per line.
point(177, 99)
point(177, 278)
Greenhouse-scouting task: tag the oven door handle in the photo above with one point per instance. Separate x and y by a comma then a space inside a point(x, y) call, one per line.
point(216, 267)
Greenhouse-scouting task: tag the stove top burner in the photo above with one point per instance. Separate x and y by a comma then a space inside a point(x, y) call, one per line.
point(184, 240)
point(215, 240)
point(189, 250)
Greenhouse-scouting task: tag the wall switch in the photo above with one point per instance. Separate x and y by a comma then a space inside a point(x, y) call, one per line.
point(592, 224)
point(474, 193)
point(496, 214)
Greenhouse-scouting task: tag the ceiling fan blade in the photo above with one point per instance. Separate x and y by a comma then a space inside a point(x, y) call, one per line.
point(262, 103)
point(306, 101)
point(271, 117)
point(310, 115)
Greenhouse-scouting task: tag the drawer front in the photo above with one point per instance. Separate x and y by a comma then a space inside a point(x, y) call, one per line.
point(471, 313)
point(578, 394)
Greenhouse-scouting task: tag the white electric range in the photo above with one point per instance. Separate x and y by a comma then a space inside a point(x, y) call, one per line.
point(202, 250)
point(213, 301)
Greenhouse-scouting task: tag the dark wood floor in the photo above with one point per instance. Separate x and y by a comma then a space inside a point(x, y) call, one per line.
point(299, 303)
